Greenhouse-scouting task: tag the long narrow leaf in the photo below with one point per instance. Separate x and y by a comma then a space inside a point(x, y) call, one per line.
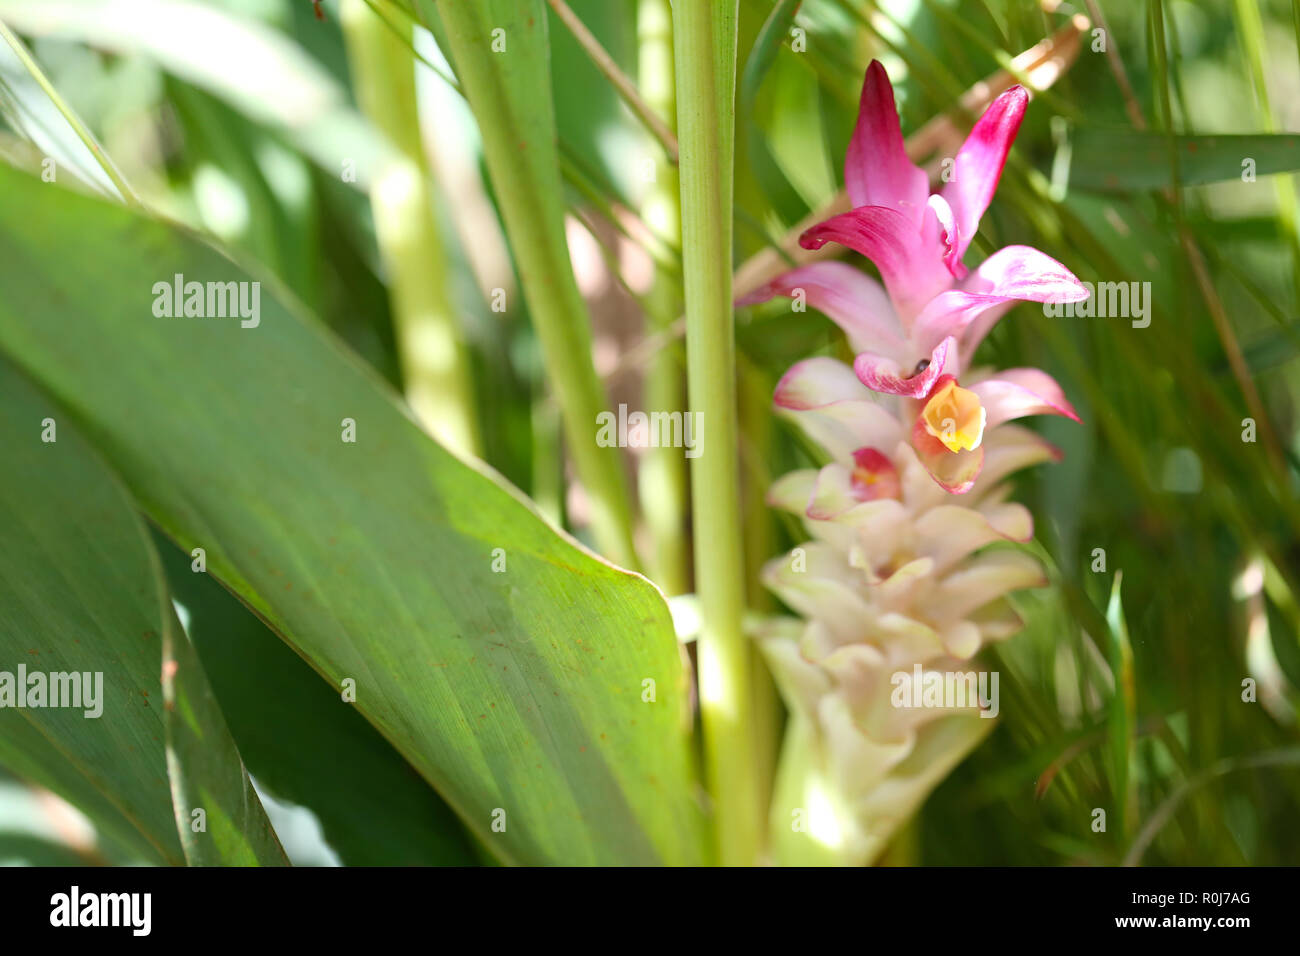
point(1119, 160)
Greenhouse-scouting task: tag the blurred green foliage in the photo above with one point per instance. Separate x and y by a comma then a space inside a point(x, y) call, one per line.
point(1204, 526)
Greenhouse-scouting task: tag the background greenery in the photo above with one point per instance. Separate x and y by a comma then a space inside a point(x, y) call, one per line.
point(242, 133)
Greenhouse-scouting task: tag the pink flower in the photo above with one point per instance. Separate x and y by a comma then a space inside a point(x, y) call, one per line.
point(914, 336)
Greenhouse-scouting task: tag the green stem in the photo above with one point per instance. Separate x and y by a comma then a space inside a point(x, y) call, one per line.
point(704, 33)
point(83, 132)
point(663, 480)
point(510, 92)
point(429, 344)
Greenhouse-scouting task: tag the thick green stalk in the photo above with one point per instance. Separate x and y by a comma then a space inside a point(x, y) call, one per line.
point(704, 33)
point(434, 363)
point(501, 58)
point(663, 481)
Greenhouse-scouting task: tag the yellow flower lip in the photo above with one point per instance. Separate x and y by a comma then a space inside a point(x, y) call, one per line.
point(955, 416)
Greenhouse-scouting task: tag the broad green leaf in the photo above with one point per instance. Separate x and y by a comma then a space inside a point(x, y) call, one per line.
point(304, 745)
point(521, 692)
point(78, 595)
point(1127, 160)
point(82, 592)
point(220, 818)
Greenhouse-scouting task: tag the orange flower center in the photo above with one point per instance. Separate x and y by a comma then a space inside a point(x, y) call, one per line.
point(955, 416)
